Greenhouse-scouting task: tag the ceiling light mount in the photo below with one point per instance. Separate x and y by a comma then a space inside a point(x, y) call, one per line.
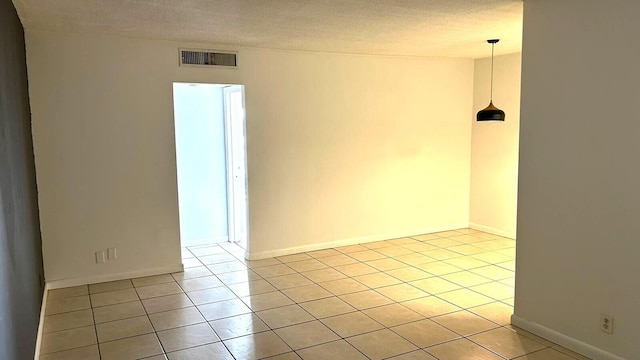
point(491, 113)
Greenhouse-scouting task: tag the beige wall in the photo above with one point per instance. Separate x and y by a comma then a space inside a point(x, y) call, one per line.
point(578, 204)
point(494, 147)
point(341, 148)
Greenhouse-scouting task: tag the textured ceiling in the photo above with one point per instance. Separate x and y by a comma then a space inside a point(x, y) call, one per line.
point(453, 28)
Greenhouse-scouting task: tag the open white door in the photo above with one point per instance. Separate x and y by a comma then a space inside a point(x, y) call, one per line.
point(236, 164)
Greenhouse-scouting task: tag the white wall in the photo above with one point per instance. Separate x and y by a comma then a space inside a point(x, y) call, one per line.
point(578, 203)
point(494, 147)
point(201, 163)
point(339, 147)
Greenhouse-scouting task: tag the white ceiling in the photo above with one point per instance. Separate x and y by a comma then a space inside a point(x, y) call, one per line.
point(452, 28)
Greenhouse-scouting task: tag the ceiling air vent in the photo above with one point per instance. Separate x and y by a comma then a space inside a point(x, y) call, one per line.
point(207, 58)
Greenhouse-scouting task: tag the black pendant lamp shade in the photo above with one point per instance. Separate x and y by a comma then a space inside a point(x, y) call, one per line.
point(491, 113)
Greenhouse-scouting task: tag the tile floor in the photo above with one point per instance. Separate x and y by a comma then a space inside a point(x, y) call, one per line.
point(446, 295)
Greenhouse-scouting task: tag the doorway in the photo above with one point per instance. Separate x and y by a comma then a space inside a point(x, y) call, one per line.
point(211, 163)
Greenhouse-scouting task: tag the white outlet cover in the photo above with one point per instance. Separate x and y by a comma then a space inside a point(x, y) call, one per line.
point(99, 257)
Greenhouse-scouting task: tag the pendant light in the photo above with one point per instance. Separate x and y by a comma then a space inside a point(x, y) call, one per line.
point(491, 113)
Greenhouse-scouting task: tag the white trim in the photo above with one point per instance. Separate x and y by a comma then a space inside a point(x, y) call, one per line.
point(564, 340)
point(36, 355)
point(351, 241)
point(491, 230)
point(57, 284)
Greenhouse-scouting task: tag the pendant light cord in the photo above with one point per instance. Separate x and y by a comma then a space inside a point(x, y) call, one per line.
point(492, 46)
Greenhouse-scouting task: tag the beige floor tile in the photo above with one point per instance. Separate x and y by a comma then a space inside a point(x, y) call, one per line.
point(252, 288)
point(402, 292)
point(206, 250)
point(68, 292)
point(351, 248)
point(465, 323)
point(165, 303)
point(307, 293)
point(151, 291)
point(152, 280)
point(426, 237)
point(323, 275)
point(419, 247)
point(402, 241)
point(156, 357)
point(121, 329)
point(444, 242)
point(392, 315)
point(430, 306)
point(336, 350)
point(506, 342)
point(572, 354)
point(466, 278)
point(509, 301)
point(356, 269)
point(113, 297)
point(216, 258)
point(435, 285)
point(63, 305)
point(439, 268)
point(262, 262)
point(274, 270)
point(425, 333)
point(240, 325)
point(289, 281)
point(509, 265)
point(376, 280)
point(306, 334)
point(338, 260)
point(492, 257)
point(461, 349)
point(191, 273)
point(465, 298)
point(414, 259)
point(225, 267)
point(174, 318)
point(366, 299)
point(546, 354)
point(367, 255)
point(136, 347)
point(351, 324)
point(323, 253)
point(407, 274)
point(511, 282)
point(284, 316)
point(83, 353)
point(466, 262)
point(222, 309)
point(493, 272)
point(206, 296)
point(191, 262)
point(294, 258)
point(200, 283)
point(285, 356)
point(497, 312)
point(66, 321)
point(215, 351)
point(118, 311)
point(187, 337)
point(343, 286)
point(386, 264)
point(68, 339)
point(377, 245)
point(307, 265)
point(110, 286)
point(414, 355)
point(266, 301)
point(257, 346)
point(381, 344)
point(327, 307)
point(494, 290)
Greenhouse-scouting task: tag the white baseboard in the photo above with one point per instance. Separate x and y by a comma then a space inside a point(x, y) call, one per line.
point(57, 284)
point(564, 340)
point(491, 230)
point(36, 355)
point(352, 241)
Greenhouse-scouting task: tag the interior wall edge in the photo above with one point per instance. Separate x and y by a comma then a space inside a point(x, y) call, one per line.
point(57, 284)
point(494, 231)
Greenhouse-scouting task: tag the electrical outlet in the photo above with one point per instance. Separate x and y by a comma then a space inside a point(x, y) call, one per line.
point(99, 257)
point(606, 323)
point(112, 254)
